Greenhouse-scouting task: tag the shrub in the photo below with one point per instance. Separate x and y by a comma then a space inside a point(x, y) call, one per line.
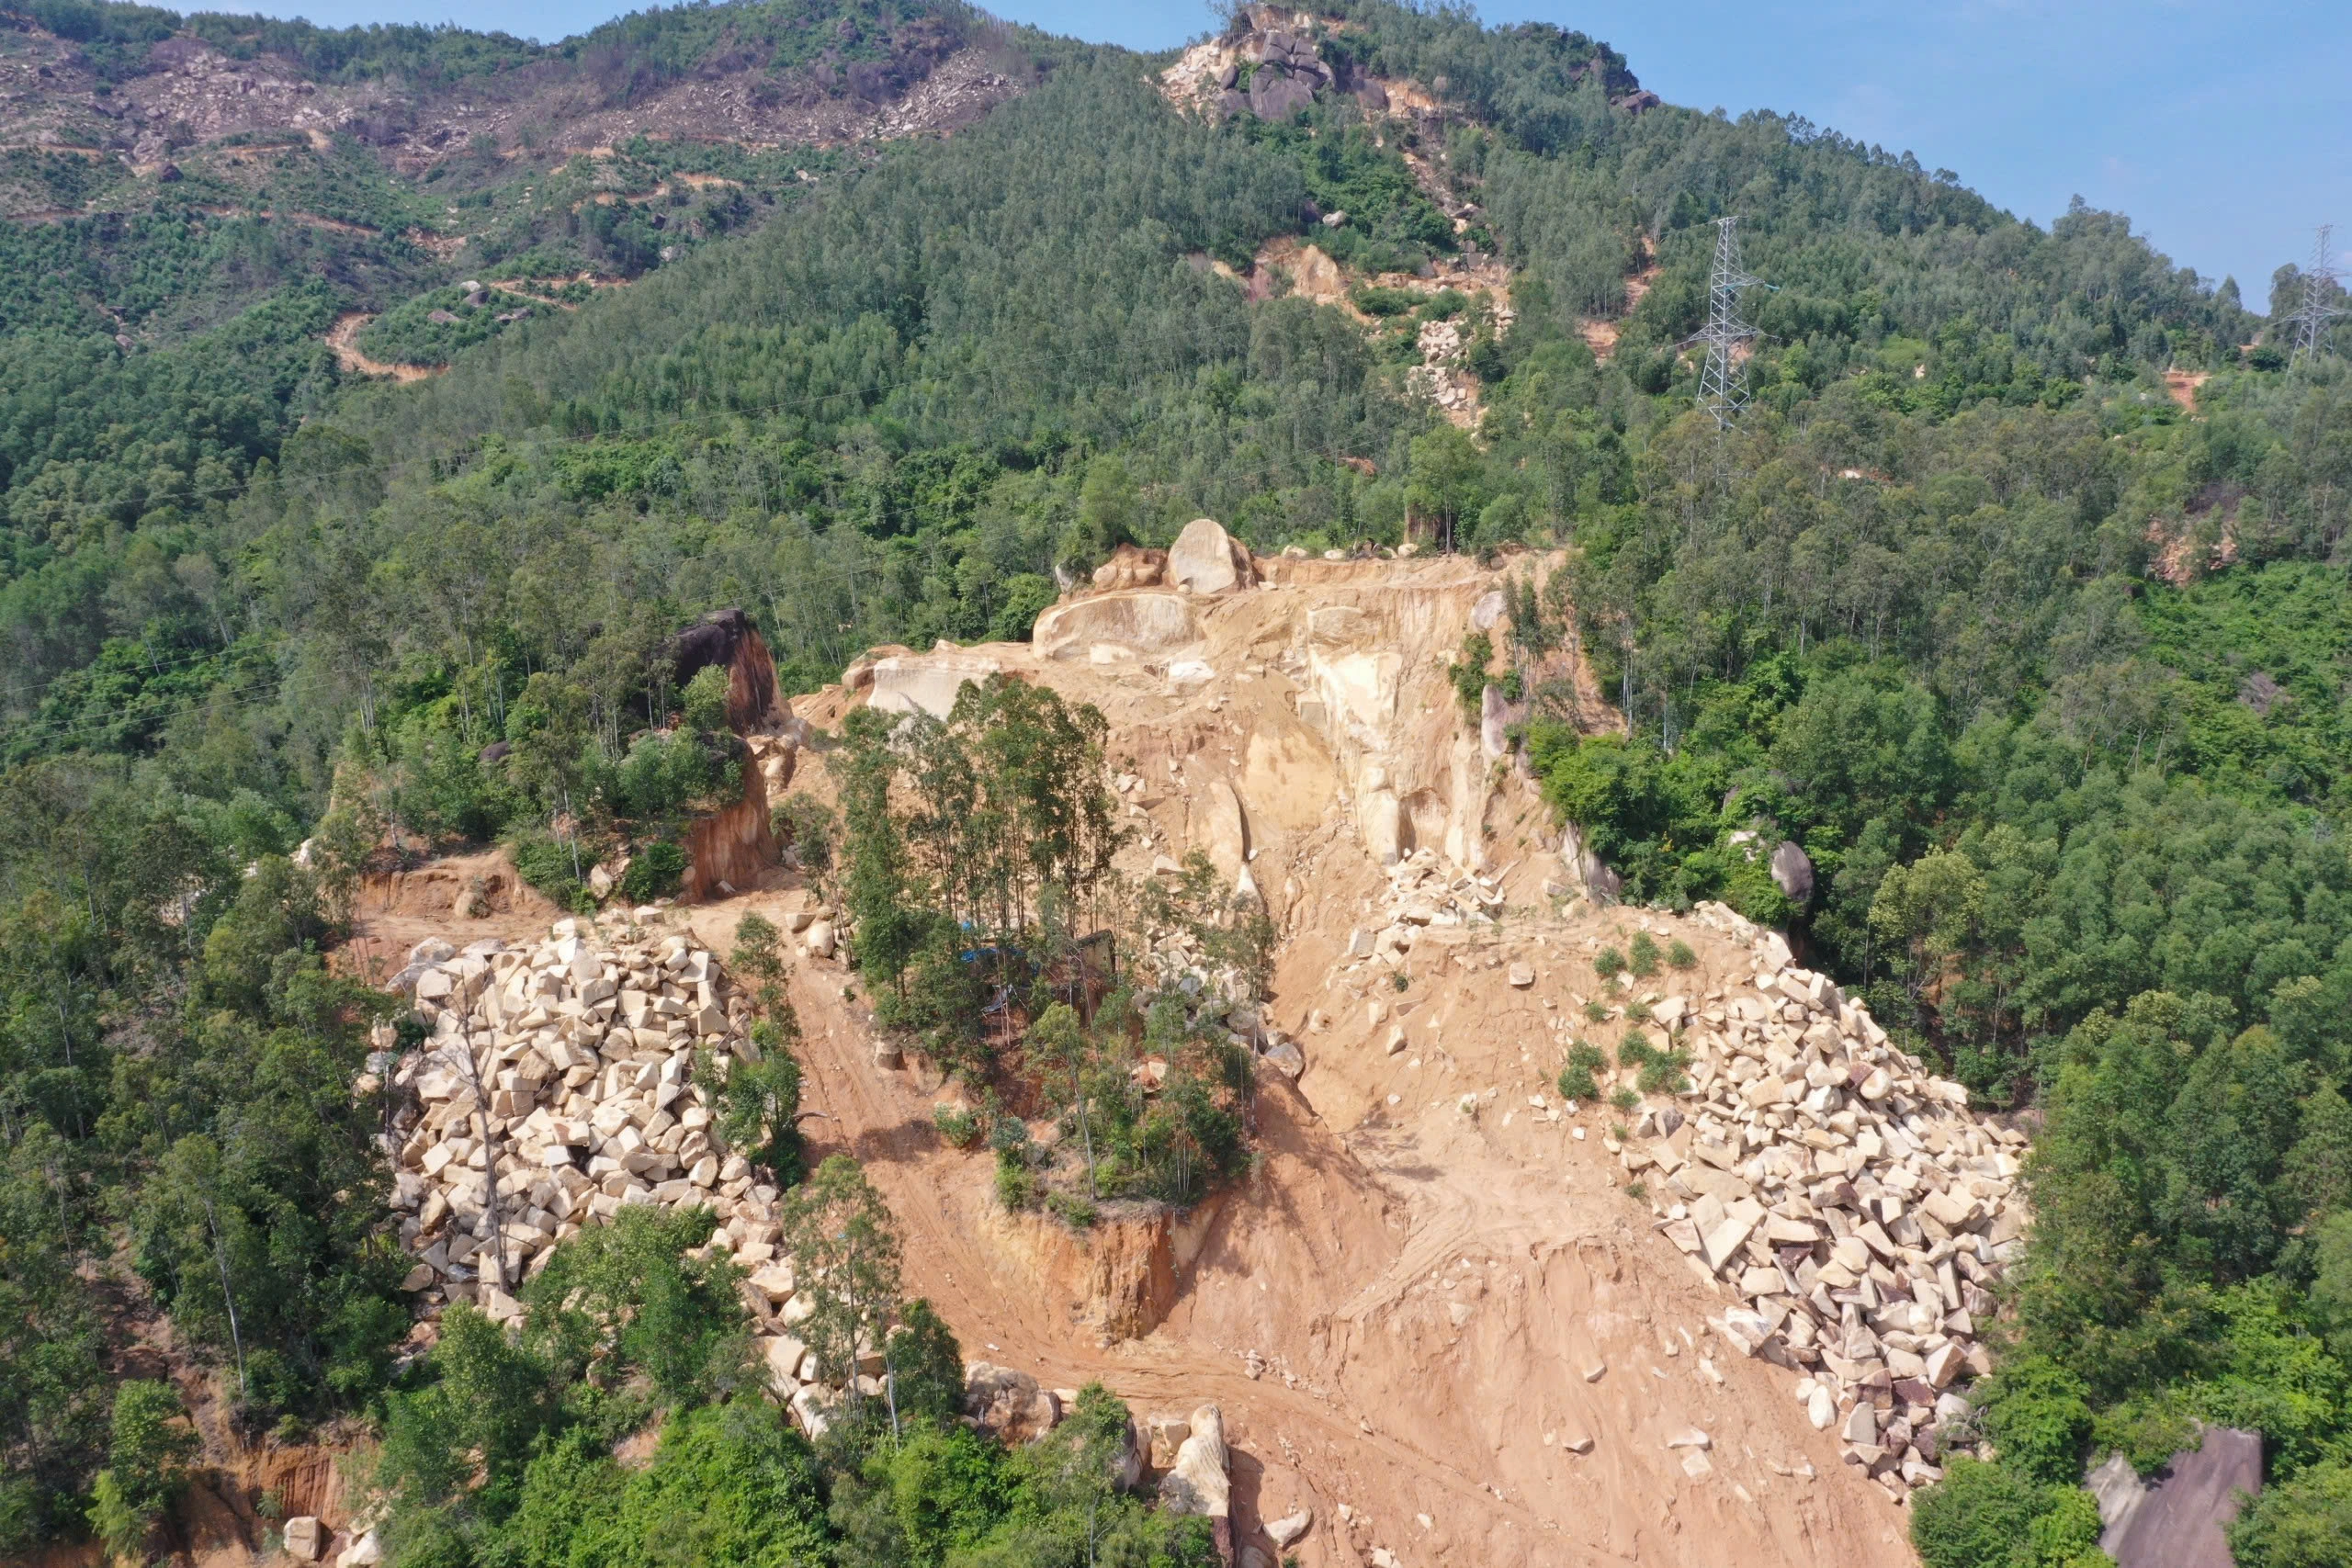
point(1976, 1517)
point(1470, 673)
point(2304, 1523)
point(704, 703)
point(807, 827)
point(660, 778)
point(1641, 956)
point(1072, 1210)
point(654, 872)
point(2038, 1414)
point(1679, 954)
point(1026, 595)
point(1624, 1100)
point(1666, 1072)
point(1608, 964)
point(1578, 1079)
point(959, 1129)
point(547, 863)
point(1016, 1184)
point(145, 1452)
point(1595, 1012)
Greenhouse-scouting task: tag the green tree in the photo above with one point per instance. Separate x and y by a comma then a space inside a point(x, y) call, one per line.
point(147, 1451)
point(846, 1248)
point(1446, 472)
point(1061, 1041)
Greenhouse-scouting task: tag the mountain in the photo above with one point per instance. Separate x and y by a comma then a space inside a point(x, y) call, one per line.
point(450, 480)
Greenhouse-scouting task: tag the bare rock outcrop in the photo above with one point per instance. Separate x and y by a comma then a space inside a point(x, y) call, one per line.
point(1199, 1481)
point(1206, 559)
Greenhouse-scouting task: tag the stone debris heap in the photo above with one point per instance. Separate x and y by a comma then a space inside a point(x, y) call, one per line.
point(558, 1085)
point(1427, 901)
point(1845, 1193)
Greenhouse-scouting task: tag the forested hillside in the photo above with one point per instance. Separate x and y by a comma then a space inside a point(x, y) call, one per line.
point(2016, 598)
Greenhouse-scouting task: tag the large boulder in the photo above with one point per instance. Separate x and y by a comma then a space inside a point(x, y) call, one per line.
point(1276, 95)
point(1198, 1482)
point(1007, 1402)
point(1793, 871)
point(1223, 832)
point(306, 1538)
point(1131, 566)
point(1204, 560)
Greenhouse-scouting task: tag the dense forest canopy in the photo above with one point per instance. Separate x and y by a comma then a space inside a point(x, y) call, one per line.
point(2016, 598)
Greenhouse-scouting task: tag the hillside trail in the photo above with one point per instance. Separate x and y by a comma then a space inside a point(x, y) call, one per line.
point(343, 339)
point(1429, 1294)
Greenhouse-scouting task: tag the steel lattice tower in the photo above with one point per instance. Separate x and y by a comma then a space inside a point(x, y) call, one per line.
point(2317, 309)
point(1723, 384)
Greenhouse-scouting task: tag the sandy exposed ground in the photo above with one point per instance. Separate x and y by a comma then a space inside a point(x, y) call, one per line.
point(1411, 1310)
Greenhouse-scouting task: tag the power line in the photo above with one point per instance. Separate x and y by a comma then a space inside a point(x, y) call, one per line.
point(2318, 305)
point(1722, 383)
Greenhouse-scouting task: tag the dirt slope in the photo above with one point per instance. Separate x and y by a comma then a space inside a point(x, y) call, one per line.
point(1414, 1311)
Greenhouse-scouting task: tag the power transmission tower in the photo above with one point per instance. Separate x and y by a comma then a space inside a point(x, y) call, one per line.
point(1723, 384)
point(2317, 308)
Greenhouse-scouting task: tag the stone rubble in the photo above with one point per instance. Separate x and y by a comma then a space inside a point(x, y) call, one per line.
point(1427, 903)
point(556, 1088)
point(557, 1085)
point(1845, 1193)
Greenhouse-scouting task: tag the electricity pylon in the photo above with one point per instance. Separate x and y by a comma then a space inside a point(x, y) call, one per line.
point(2318, 306)
point(1723, 384)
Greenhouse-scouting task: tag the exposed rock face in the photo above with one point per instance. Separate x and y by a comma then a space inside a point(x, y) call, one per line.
point(1602, 884)
point(1126, 623)
point(734, 847)
point(927, 683)
point(1204, 560)
point(2177, 1520)
point(1220, 828)
point(1122, 1272)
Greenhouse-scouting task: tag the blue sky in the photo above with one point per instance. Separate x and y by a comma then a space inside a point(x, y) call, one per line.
point(2223, 127)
